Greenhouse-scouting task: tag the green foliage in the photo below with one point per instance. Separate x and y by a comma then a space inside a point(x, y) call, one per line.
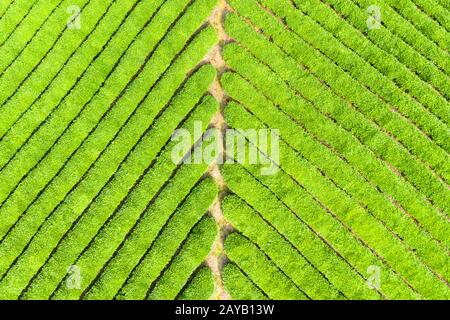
point(90, 176)
point(290, 257)
point(239, 285)
point(410, 34)
point(344, 84)
point(193, 252)
point(371, 230)
point(135, 207)
point(200, 287)
point(261, 269)
point(12, 12)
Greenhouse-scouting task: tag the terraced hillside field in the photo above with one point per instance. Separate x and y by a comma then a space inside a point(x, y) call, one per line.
point(355, 95)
